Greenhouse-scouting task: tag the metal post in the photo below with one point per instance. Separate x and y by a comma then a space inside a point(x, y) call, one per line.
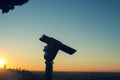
point(48, 70)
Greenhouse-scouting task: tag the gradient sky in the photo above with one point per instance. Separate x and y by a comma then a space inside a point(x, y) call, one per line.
point(92, 27)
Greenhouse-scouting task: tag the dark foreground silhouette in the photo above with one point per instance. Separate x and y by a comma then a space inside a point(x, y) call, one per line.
point(86, 76)
point(35, 75)
point(12, 74)
point(6, 5)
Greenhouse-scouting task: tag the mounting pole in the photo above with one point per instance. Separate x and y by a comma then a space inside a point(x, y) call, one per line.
point(48, 70)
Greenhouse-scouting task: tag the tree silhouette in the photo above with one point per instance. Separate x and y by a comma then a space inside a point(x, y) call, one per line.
point(6, 5)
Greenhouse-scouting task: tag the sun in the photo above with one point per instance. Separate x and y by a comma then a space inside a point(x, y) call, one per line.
point(2, 63)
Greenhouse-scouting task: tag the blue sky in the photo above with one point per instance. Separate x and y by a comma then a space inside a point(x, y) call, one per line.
point(90, 26)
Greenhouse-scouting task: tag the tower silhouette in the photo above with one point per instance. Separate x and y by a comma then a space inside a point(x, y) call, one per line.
point(5, 66)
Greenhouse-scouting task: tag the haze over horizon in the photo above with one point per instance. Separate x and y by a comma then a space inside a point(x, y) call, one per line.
point(92, 27)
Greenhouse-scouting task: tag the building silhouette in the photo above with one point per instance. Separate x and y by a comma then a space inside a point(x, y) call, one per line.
point(5, 66)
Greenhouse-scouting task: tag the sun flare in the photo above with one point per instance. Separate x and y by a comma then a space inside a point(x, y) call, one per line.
point(2, 63)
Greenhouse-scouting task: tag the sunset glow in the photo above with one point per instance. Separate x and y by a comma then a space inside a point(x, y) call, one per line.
point(2, 63)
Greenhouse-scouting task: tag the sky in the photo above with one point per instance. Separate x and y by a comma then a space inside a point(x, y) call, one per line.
point(92, 27)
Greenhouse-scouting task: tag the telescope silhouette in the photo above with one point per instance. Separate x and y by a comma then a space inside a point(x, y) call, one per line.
point(53, 46)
